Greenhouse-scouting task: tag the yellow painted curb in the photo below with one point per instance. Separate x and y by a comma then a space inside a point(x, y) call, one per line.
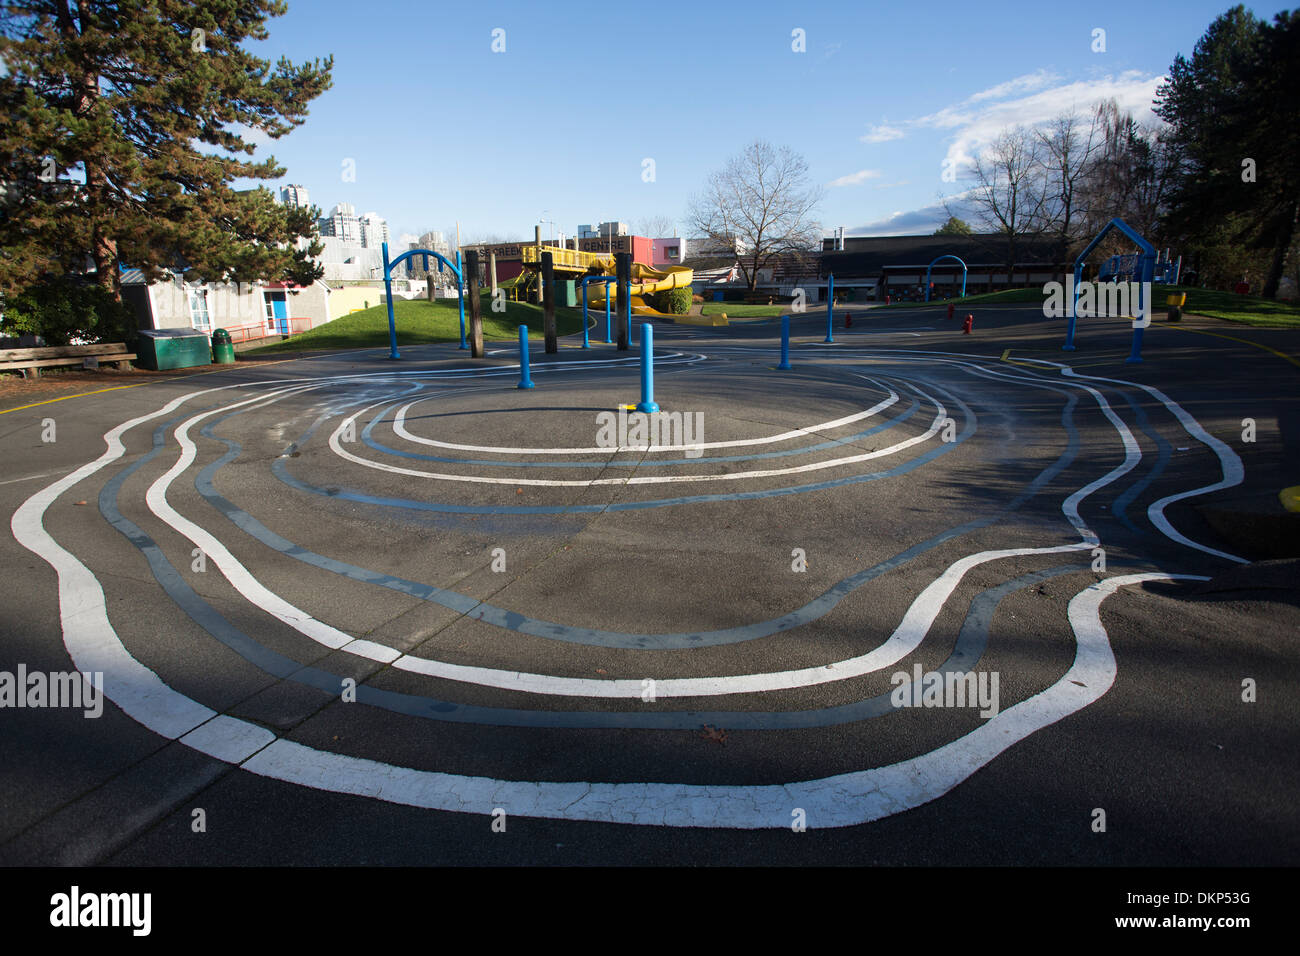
point(709, 320)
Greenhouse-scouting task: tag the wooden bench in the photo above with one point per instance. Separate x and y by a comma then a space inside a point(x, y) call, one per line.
point(31, 361)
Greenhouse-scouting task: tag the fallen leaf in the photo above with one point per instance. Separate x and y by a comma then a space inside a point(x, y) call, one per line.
point(601, 670)
point(79, 502)
point(715, 733)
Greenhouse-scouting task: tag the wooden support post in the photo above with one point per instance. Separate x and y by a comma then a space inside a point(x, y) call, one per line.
point(623, 269)
point(548, 302)
point(475, 305)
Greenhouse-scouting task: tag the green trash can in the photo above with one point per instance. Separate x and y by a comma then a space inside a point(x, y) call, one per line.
point(173, 348)
point(223, 350)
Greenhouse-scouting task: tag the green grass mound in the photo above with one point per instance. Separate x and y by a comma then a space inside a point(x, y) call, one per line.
point(420, 322)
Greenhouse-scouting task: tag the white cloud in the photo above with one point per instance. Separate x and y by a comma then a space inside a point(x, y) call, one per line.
point(882, 134)
point(976, 127)
point(1021, 84)
point(921, 221)
point(855, 179)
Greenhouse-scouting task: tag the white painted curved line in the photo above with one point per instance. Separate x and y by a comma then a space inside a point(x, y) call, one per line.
point(400, 429)
point(1234, 472)
point(1229, 462)
point(909, 634)
point(848, 799)
point(239, 577)
point(94, 646)
point(842, 800)
point(337, 447)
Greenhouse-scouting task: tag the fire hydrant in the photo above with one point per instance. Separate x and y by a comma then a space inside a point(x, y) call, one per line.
point(950, 308)
point(848, 320)
point(888, 299)
point(968, 324)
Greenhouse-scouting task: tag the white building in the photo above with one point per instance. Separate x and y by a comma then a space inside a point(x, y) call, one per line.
point(342, 224)
point(374, 230)
point(248, 311)
point(294, 196)
point(349, 260)
point(604, 231)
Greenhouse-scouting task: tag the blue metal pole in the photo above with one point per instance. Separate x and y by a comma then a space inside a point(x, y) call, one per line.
point(785, 343)
point(460, 287)
point(585, 344)
point(609, 330)
point(388, 297)
point(1074, 312)
point(647, 403)
point(524, 380)
point(1136, 354)
point(830, 309)
point(1145, 275)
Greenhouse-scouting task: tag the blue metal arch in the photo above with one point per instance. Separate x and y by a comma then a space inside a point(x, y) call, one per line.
point(1146, 272)
point(456, 269)
point(931, 266)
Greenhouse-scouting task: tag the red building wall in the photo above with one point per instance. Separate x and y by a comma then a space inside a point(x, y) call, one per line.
point(643, 250)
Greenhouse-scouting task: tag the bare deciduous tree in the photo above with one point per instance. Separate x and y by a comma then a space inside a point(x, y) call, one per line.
point(656, 227)
point(1068, 148)
point(1010, 195)
point(763, 202)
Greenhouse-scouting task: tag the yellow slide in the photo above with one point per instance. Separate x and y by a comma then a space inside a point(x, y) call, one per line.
point(645, 282)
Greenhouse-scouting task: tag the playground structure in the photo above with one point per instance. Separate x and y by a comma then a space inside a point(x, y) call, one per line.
point(1141, 274)
point(1124, 268)
point(456, 270)
point(930, 267)
point(574, 265)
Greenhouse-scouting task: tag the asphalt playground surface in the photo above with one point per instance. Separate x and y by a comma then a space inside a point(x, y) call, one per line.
point(357, 611)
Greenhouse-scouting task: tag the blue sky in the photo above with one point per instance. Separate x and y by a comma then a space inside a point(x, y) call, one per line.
point(564, 118)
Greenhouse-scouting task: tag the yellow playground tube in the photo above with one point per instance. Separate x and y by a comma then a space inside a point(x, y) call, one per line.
point(645, 282)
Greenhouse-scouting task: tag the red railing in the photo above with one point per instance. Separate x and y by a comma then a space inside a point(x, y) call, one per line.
point(253, 331)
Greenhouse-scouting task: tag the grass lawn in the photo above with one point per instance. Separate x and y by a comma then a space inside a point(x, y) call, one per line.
point(741, 310)
point(420, 322)
point(1246, 309)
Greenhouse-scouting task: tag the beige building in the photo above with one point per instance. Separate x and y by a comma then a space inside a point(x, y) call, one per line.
point(246, 310)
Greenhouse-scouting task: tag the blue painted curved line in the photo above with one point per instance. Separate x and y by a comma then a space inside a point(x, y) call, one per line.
point(631, 462)
point(279, 468)
point(512, 620)
point(972, 640)
point(1163, 452)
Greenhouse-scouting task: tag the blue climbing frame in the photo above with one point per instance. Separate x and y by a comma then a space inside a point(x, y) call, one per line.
point(1146, 270)
point(931, 266)
point(456, 270)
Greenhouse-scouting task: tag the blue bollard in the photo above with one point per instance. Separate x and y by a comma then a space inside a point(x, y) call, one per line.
point(609, 339)
point(785, 343)
point(830, 310)
point(647, 403)
point(524, 380)
point(1136, 354)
